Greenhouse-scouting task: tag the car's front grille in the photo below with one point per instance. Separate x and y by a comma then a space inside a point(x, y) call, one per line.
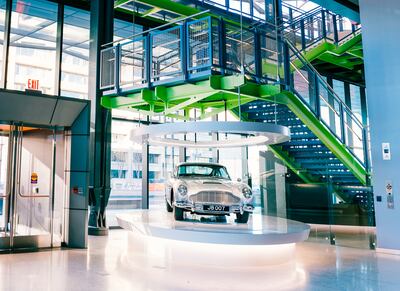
point(214, 197)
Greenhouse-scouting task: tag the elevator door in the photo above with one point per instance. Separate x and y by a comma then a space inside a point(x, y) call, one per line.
point(32, 187)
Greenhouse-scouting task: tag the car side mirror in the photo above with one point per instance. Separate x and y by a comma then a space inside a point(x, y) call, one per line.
point(239, 180)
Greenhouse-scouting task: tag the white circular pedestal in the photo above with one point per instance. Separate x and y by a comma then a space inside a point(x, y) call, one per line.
point(215, 256)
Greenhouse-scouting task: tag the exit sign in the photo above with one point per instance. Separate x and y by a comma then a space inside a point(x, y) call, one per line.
point(33, 84)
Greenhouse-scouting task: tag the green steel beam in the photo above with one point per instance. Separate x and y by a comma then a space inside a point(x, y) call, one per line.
point(148, 17)
point(291, 164)
point(337, 61)
point(323, 133)
point(151, 11)
point(329, 52)
point(170, 6)
point(214, 93)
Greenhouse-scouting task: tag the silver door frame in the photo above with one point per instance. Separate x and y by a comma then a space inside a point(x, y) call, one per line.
point(13, 241)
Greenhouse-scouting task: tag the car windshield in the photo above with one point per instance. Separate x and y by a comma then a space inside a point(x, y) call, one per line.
point(214, 171)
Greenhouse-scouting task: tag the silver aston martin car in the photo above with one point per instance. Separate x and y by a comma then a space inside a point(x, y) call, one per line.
point(207, 189)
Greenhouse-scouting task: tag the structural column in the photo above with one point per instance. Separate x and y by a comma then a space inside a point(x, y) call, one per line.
point(101, 32)
point(380, 23)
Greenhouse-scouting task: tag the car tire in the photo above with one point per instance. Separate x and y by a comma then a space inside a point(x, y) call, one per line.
point(178, 213)
point(242, 218)
point(169, 207)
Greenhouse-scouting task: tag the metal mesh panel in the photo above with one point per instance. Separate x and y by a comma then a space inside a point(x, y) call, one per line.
point(133, 60)
point(107, 71)
point(199, 45)
point(166, 54)
point(215, 42)
point(215, 197)
point(240, 47)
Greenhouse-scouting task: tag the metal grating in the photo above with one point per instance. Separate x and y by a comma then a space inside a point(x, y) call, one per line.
point(166, 54)
point(219, 197)
point(133, 60)
point(107, 70)
point(199, 47)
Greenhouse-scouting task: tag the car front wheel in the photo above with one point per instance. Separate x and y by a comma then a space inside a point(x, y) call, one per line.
point(242, 218)
point(178, 213)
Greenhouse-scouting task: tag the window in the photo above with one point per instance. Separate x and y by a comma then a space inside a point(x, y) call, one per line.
point(338, 87)
point(355, 100)
point(137, 158)
point(137, 174)
point(118, 174)
point(124, 29)
point(33, 44)
point(75, 54)
point(153, 158)
point(121, 157)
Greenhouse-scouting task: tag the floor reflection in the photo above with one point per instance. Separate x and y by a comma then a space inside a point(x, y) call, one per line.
point(113, 263)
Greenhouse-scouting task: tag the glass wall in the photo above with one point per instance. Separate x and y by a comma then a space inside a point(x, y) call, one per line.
point(33, 48)
point(126, 170)
point(2, 25)
point(32, 53)
point(75, 53)
point(355, 97)
point(338, 87)
point(124, 29)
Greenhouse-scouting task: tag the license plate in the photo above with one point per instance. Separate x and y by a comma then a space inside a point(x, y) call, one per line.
point(216, 208)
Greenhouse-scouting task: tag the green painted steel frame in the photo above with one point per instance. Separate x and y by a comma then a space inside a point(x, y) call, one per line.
point(219, 93)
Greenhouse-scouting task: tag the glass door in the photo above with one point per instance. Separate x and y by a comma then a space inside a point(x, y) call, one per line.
point(33, 191)
point(4, 185)
point(32, 187)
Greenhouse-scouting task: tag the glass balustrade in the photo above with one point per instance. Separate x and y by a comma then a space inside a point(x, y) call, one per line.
point(194, 50)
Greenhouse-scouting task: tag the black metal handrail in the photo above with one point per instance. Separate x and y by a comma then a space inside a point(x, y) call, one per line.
point(343, 112)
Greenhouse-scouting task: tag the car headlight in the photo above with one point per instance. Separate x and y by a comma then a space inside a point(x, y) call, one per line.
point(247, 192)
point(182, 190)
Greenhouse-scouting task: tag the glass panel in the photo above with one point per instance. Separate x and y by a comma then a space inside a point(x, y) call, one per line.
point(351, 221)
point(33, 207)
point(240, 55)
point(239, 5)
point(158, 172)
point(234, 159)
point(338, 87)
point(4, 140)
point(60, 186)
point(125, 29)
point(75, 54)
point(269, 56)
point(309, 203)
point(301, 84)
point(33, 45)
point(126, 171)
point(355, 100)
point(259, 9)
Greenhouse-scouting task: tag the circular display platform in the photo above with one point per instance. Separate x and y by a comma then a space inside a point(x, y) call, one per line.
point(214, 255)
point(260, 230)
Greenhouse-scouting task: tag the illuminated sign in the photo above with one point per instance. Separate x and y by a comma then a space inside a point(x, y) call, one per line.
point(33, 84)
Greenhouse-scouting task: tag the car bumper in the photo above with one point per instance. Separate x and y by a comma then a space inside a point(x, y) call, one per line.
point(199, 208)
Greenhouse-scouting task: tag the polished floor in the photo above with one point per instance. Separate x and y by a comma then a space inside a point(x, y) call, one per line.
point(117, 263)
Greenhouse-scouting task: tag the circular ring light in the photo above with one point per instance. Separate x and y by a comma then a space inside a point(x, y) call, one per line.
point(256, 133)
